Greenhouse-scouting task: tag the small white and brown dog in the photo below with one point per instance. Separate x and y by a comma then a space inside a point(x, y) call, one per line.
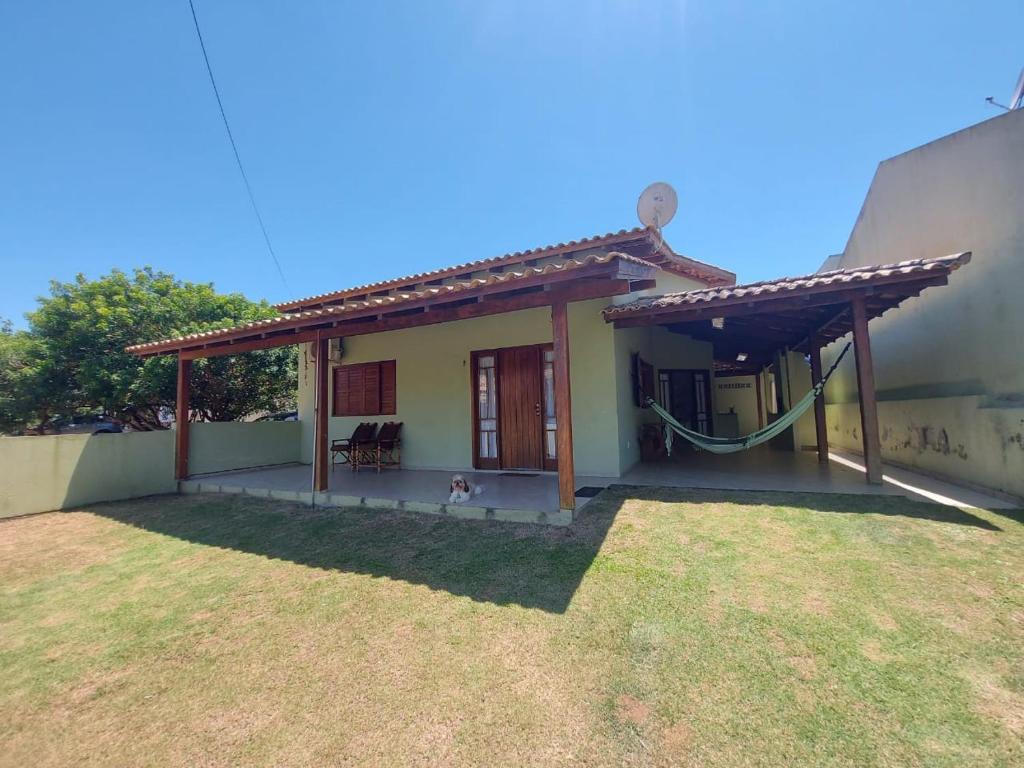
point(462, 491)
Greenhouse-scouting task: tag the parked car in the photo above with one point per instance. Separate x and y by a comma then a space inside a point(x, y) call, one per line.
point(88, 424)
point(283, 416)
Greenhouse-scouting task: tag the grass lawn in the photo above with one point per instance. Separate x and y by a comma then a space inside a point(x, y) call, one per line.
point(666, 628)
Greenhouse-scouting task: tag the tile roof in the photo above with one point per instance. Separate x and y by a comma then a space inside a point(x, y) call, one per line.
point(673, 261)
point(384, 303)
point(851, 276)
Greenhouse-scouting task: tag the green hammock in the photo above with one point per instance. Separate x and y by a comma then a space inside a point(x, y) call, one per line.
point(735, 444)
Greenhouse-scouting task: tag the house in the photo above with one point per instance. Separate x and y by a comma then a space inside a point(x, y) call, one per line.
point(949, 367)
point(533, 362)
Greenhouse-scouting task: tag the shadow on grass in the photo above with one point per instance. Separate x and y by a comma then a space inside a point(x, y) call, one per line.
point(528, 565)
point(533, 566)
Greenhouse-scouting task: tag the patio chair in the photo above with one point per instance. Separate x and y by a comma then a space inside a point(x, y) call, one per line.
point(346, 447)
point(386, 450)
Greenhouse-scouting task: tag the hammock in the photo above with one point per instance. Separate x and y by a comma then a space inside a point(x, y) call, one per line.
point(722, 445)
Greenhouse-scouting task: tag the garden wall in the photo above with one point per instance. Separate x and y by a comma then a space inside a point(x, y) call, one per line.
point(40, 474)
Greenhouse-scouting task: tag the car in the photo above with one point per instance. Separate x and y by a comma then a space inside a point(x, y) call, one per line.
point(283, 416)
point(86, 424)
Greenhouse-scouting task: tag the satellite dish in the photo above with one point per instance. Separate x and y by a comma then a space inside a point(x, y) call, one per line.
point(657, 205)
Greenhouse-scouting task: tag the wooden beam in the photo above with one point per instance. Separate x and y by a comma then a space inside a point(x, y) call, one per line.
point(760, 403)
point(322, 378)
point(866, 393)
point(181, 415)
point(820, 426)
point(563, 406)
point(580, 290)
point(238, 347)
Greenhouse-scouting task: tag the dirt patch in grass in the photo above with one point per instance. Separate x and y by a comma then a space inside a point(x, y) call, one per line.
point(630, 709)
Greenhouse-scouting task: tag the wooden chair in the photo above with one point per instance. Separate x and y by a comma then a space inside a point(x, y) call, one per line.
point(386, 450)
point(347, 447)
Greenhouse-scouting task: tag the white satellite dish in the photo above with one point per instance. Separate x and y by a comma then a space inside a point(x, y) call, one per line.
point(657, 205)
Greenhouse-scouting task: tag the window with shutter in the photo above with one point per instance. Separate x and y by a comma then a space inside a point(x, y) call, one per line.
point(365, 389)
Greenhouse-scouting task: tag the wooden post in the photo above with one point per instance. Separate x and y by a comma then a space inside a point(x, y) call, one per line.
point(760, 405)
point(322, 375)
point(866, 393)
point(181, 423)
point(820, 426)
point(563, 406)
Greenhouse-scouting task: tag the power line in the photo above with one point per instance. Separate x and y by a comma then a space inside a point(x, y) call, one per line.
point(231, 138)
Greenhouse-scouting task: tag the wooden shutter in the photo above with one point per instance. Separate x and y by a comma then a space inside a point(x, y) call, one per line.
point(365, 389)
point(388, 389)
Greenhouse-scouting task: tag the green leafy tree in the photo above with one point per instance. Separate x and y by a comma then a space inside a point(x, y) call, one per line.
point(76, 340)
point(32, 389)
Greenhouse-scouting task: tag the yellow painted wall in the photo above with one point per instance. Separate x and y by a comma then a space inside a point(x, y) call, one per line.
point(433, 384)
point(39, 474)
point(221, 446)
point(949, 361)
point(663, 350)
point(433, 381)
point(740, 394)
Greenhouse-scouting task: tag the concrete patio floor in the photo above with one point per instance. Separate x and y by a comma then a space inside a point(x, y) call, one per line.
point(534, 497)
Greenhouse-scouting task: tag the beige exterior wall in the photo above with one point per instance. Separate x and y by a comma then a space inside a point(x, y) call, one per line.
point(221, 446)
point(663, 350)
point(434, 388)
point(740, 394)
point(948, 365)
point(39, 474)
point(433, 385)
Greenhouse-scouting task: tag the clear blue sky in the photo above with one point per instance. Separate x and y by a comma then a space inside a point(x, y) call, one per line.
point(386, 138)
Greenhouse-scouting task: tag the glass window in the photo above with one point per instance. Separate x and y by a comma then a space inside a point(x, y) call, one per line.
point(550, 424)
point(487, 407)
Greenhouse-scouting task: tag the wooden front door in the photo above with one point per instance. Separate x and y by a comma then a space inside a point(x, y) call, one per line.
point(513, 415)
point(519, 408)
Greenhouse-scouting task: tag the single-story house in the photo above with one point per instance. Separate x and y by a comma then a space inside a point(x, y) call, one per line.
point(535, 361)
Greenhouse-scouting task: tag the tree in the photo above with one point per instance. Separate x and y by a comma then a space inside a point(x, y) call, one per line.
point(32, 389)
point(76, 340)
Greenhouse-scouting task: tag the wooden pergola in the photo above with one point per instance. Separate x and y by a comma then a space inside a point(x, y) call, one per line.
point(517, 283)
point(802, 314)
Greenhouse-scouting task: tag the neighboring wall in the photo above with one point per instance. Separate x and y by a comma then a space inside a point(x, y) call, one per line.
point(221, 446)
point(38, 474)
point(434, 389)
point(948, 365)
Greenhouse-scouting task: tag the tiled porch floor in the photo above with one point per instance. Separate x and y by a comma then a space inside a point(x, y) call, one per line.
point(759, 469)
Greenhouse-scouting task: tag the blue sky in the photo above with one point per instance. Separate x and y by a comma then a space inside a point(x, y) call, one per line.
point(387, 138)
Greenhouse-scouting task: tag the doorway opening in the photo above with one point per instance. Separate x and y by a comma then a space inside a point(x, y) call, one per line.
point(514, 425)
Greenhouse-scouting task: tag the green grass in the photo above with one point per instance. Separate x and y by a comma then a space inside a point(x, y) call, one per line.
point(666, 628)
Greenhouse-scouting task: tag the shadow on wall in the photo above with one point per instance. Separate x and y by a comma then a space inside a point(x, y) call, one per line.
point(39, 474)
point(50, 472)
point(506, 564)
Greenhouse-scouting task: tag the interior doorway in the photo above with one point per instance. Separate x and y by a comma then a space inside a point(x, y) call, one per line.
point(686, 394)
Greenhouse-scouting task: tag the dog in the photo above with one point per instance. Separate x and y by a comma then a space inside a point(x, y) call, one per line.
point(462, 491)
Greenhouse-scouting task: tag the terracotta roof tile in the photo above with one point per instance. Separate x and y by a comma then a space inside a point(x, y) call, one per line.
point(787, 285)
point(713, 274)
point(388, 303)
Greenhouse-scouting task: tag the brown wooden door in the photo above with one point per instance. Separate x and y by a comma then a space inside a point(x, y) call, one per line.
point(519, 406)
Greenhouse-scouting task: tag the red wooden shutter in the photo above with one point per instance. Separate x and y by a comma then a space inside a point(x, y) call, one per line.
point(341, 390)
point(371, 389)
point(365, 389)
point(388, 393)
